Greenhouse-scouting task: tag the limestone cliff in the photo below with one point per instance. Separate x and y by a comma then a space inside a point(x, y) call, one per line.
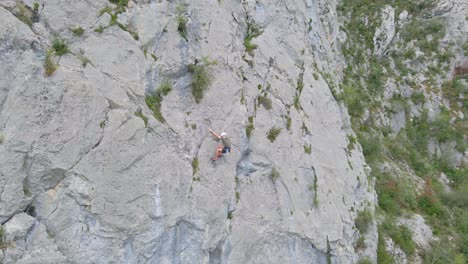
point(105, 155)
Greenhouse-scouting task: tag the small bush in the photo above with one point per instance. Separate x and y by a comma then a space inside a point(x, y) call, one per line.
point(195, 165)
point(2, 138)
point(361, 244)
point(49, 65)
point(182, 20)
point(106, 9)
point(383, 257)
point(122, 3)
point(365, 260)
point(371, 145)
point(352, 142)
point(165, 88)
point(201, 79)
point(296, 102)
point(154, 100)
point(252, 32)
point(265, 101)
point(60, 47)
point(154, 104)
point(418, 98)
point(250, 127)
point(363, 221)
point(273, 133)
point(375, 79)
point(274, 174)
point(288, 123)
point(78, 31)
point(182, 26)
point(24, 14)
point(140, 114)
point(403, 237)
point(308, 149)
point(100, 29)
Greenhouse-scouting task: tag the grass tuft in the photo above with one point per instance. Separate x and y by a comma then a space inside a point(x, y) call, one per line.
point(273, 133)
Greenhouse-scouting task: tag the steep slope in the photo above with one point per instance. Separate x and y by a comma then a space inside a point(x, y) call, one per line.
point(90, 173)
point(405, 91)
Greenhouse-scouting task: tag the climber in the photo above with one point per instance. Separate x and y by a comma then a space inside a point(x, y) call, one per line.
point(225, 148)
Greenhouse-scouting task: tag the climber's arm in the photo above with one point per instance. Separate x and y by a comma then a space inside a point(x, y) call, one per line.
point(214, 134)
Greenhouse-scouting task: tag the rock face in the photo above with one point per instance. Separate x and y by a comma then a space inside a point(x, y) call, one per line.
point(85, 180)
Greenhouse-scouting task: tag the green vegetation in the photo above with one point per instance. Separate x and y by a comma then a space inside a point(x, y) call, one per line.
point(122, 3)
point(50, 65)
point(182, 21)
point(316, 201)
point(201, 78)
point(363, 221)
point(383, 257)
point(329, 255)
point(296, 102)
point(418, 98)
point(60, 47)
point(408, 151)
point(308, 149)
point(140, 114)
point(274, 174)
point(250, 127)
point(401, 235)
point(352, 141)
point(3, 245)
point(288, 123)
point(365, 261)
point(361, 243)
point(252, 32)
point(24, 14)
point(106, 9)
point(265, 101)
point(77, 31)
point(2, 138)
point(100, 29)
point(273, 133)
point(195, 165)
point(154, 100)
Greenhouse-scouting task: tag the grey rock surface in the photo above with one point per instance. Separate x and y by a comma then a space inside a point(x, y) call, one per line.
point(100, 186)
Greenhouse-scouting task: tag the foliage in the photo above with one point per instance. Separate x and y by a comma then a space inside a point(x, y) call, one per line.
point(265, 101)
point(383, 257)
point(195, 165)
point(365, 261)
point(49, 65)
point(182, 21)
point(418, 98)
point(140, 114)
point(308, 148)
point(201, 78)
point(154, 100)
point(252, 32)
point(77, 31)
point(363, 221)
point(273, 133)
point(250, 127)
point(375, 78)
point(60, 47)
point(2, 138)
point(24, 14)
point(296, 102)
point(122, 3)
point(274, 174)
point(288, 123)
